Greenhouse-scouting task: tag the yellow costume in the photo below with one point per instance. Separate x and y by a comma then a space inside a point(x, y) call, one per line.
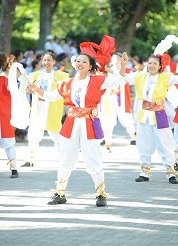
point(158, 95)
point(44, 115)
point(55, 109)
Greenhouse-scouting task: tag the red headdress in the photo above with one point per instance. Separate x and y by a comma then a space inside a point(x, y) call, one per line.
point(162, 47)
point(165, 60)
point(101, 52)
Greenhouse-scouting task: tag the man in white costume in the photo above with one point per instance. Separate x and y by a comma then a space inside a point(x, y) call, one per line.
point(116, 105)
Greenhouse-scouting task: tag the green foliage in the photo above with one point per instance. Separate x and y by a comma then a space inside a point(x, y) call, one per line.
point(153, 28)
point(142, 48)
point(26, 22)
point(23, 44)
point(90, 20)
point(26, 25)
point(87, 20)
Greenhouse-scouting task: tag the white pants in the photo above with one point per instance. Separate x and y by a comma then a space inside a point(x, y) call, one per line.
point(170, 110)
point(9, 145)
point(127, 121)
point(91, 152)
point(111, 114)
point(176, 141)
point(148, 139)
point(34, 138)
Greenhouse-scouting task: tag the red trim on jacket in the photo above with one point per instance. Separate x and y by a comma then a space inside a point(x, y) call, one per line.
point(173, 67)
point(128, 102)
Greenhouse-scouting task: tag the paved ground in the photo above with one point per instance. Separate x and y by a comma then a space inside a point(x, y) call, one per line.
point(137, 213)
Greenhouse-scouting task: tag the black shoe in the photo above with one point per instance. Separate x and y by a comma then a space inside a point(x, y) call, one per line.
point(109, 150)
point(14, 174)
point(20, 135)
point(108, 147)
point(103, 142)
point(141, 179)
point(133, 142)
point(176, 166)
point(101, 201)
point(57, 199)
point(173, 180)
point(27, 164)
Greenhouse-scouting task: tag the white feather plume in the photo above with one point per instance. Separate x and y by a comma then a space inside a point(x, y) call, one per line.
point(164, 45)
point(73, 60)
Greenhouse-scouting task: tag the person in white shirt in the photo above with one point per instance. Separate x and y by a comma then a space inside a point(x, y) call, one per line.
point(116, 105)
point(57, 47)
point(49, 43)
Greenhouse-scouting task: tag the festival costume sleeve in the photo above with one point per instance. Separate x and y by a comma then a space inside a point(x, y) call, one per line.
point(51, 96)
point(130, 78)
point(20, 107)
point(116, 80)
point(172, 96)
point(173, 80)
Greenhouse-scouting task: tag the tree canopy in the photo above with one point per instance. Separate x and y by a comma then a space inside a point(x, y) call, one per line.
point(136, 25)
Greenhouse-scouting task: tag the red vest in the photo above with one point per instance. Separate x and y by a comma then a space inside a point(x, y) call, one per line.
point(173, 66)
point(7, 131)
point(92, 98)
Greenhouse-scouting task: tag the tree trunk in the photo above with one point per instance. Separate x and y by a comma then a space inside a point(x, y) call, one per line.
point(124, 30)
point(6, 24)
point(47, 9)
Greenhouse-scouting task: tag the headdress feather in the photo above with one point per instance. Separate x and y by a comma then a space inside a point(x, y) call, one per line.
point(164, 45)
